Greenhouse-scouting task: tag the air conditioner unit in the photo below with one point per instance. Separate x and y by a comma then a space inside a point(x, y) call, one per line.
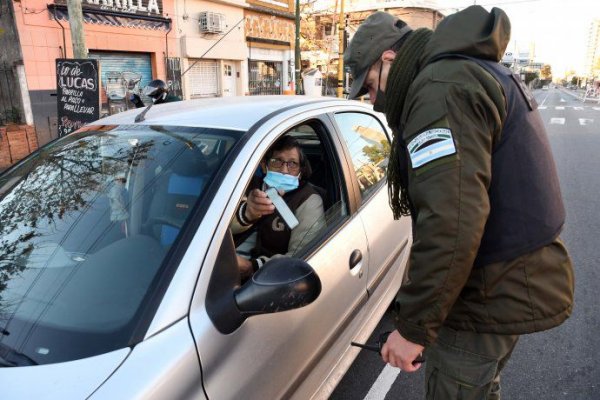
point(211, 22)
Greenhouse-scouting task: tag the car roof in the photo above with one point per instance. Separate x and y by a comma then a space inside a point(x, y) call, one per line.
point(237, 113)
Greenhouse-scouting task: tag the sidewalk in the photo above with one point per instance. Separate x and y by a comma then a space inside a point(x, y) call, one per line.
point(579, 94)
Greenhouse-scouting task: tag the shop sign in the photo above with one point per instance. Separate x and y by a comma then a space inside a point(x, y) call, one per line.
point(145, 7)
point(78, 93)
point(136, 7)
point(270, 28)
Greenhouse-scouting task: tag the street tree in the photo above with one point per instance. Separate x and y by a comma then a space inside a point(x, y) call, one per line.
point(546, 72)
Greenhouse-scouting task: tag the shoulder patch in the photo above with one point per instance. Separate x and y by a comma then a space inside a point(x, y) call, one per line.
point(431, 145)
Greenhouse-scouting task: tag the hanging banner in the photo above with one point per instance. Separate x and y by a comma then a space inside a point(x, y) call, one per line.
point(77, 92)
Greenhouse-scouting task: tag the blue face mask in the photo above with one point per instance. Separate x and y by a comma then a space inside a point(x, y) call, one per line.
point(281, 181)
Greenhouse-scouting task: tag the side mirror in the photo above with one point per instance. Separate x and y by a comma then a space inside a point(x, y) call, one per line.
point(281, 284)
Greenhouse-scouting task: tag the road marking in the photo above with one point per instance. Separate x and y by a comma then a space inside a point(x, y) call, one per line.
point(596, 108)
point(559, 108)
point(545, 98)
point(562, 100)
point(383, 384)
point(542, 107)
point(578, 108)
point(557, 121)
point(585, 121)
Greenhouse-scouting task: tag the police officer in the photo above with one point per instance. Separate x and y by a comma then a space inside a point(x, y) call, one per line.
point(158, 91)
point(472, 165)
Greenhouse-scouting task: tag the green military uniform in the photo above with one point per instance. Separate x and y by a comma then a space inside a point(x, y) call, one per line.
point(468, 318)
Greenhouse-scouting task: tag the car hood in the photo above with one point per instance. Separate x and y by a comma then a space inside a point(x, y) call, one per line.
point(69, 380)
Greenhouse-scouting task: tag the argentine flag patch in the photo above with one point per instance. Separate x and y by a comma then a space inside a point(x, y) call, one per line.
point(431, 145)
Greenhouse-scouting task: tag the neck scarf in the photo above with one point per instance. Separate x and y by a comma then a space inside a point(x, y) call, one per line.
point(403, 71)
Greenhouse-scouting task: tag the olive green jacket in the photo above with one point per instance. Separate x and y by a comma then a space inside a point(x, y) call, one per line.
point(531, 293)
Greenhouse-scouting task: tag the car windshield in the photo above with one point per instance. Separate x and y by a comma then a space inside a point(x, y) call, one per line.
point(85, 226)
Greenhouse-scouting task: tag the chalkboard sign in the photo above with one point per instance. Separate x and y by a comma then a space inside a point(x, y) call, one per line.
point(78, 93)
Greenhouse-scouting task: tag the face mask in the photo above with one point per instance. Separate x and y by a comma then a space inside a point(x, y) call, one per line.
point(379, 104)
point(281, 181)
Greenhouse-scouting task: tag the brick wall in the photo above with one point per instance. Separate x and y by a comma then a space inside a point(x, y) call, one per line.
point(16, 142)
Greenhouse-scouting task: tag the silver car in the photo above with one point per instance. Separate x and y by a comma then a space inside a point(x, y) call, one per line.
point(118, 274)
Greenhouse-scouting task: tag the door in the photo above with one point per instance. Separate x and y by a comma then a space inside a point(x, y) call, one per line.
point(369, 147)
point(269, 355)
point(229, 79)
point(204, 78)
point(123, 73)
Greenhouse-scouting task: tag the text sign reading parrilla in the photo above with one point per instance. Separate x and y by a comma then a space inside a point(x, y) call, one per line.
point(78, 93)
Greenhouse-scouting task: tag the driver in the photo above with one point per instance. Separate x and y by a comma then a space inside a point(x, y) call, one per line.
point(285, 168)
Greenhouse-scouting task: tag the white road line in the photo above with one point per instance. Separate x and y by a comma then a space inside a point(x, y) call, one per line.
point(596, 108)
point(384, 382)
point(545, 98)
point(557, 121)
point(578, 108)
point(562, 100)
point(559, 108)
point(542, 107)
point(585, 121)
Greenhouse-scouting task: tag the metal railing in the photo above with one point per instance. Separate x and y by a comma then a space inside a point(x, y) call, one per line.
point(265, 78)
point(9, 100)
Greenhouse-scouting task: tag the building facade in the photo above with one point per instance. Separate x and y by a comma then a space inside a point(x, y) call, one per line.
point(213, 49)
point(270, 36)
point(592, 57)
point(201, 48)
point(320, 28)
point(132, 39)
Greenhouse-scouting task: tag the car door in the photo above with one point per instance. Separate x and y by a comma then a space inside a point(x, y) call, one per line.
point(368, 146)
point(287, 354)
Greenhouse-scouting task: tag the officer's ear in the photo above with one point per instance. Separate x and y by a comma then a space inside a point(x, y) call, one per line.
point(388, 55)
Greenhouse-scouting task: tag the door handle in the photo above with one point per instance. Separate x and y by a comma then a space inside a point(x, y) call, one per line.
point(355, 258)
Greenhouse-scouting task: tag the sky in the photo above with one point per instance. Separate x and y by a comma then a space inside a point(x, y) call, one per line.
point(559, 28)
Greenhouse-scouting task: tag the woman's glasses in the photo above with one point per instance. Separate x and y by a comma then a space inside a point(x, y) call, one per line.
point(277, 163)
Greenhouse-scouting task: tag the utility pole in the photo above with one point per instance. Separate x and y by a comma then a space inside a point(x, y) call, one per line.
point(77, 34)
point(297, 61)
point(341, 31)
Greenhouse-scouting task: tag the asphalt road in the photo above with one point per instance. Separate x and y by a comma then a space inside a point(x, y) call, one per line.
point(562, 363)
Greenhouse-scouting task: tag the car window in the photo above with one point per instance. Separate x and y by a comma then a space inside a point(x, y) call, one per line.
point(369, 148)
point(324, 181)
point(84, 228)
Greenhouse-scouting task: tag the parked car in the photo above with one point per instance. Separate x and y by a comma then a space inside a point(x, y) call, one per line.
point(118, 274)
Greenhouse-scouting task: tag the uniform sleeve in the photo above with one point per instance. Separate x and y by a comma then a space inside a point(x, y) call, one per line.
point(448, 190)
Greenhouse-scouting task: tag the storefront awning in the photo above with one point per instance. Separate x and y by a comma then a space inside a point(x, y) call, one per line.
point(107, 17)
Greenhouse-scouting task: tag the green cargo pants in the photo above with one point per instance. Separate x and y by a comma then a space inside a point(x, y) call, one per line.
point(466, 365)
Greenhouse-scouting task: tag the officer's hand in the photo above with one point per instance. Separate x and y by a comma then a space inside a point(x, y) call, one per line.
point(258, 204)
point(400, 353)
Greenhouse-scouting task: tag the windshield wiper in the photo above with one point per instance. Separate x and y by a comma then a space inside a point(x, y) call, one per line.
point(5, 363)
point(10, 357)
